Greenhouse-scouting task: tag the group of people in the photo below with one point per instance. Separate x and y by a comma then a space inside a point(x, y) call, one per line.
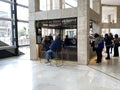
point(109, 41)
point(51, 46)
point(70, 41)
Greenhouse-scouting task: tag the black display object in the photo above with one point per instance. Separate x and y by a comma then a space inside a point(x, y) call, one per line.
point(38, 32)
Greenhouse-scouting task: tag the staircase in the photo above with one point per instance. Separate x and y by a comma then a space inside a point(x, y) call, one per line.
point(5, 53)
point(6, 50)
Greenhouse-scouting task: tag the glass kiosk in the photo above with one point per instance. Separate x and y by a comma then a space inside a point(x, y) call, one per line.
point(65, 26)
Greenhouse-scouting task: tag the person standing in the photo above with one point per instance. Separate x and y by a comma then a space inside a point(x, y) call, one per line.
point(111, 37)
point(50, 38)
point(45, 44)
point(108, 44)
point(66, 41)
point(99, 45)
point(116, 45)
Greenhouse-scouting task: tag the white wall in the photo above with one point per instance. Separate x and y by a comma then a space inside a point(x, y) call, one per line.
point(115, 31)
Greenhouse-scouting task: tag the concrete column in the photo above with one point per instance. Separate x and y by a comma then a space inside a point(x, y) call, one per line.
point(33, 49)
point(32, 9)
point(83, 32)
point(118, 14)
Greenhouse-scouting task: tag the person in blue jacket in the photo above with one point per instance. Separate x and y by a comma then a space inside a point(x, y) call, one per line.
point(53, 47)
point(108, 44)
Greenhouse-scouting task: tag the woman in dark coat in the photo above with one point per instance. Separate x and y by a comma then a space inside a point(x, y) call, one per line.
point(116, 45)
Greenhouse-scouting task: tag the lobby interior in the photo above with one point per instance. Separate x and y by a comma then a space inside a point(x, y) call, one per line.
point(27, 72)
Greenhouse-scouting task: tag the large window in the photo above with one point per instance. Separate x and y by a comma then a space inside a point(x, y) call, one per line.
point(22, 13)
point(43, 5)
point(23, 35)
point(91, 4)
point(6, 32)
point(70, 3)
point(109, 14)
point(56, 4)
point(46, 5)
point(8, 21)
point(23, 2)
point(5, 10)
point(22, 16)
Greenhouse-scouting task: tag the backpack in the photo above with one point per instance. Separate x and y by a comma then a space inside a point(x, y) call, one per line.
point(101, 45)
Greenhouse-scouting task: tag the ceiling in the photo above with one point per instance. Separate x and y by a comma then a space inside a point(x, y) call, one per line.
point(111, 2)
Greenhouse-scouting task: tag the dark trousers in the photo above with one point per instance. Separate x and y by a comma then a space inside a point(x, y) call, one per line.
point(99, 55)
point(116, 51)
point(108, 51)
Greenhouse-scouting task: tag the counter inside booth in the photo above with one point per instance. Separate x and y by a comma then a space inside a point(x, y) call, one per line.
point(68, 53)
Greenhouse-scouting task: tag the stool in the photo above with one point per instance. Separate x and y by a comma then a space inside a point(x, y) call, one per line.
point(42, 51)
point(41, 54)
point(59, 52)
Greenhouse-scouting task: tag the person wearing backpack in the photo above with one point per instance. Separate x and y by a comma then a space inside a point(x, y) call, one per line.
point(99, 45)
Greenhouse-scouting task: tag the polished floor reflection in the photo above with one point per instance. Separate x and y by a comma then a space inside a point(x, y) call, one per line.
point(110, 67)
point(21, 73)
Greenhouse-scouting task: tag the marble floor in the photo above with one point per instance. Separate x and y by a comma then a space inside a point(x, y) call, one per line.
point(21, 73)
